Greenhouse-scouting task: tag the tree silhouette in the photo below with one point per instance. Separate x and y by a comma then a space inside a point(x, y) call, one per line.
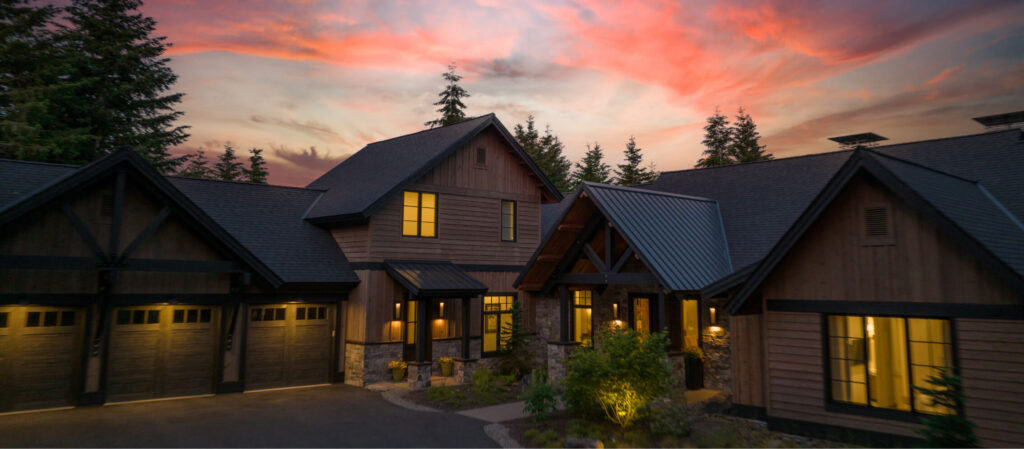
point(450, 102)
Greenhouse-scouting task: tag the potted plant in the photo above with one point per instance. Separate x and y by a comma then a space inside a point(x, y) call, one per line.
point(447, 364)
point(694, 359)
point(397, 368)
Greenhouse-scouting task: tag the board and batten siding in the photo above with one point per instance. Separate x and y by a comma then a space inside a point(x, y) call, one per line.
point(991, 354)
point(747, 360)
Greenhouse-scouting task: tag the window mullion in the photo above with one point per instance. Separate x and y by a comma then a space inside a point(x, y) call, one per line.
point(910, 365)
point(867, 361)
point(419, 214)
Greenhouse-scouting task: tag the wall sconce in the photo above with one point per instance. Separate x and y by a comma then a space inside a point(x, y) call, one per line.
point(440, 310)
point(398, 311)
point(714, 320)
point(615, 311)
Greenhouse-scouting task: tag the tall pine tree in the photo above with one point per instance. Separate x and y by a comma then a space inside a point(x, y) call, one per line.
point(746, 145)
point(227, 167)
point(451, 107)
point(717, 142)
point(257, 171)
point(195, 166)
point(126, 98)
point(591, 168)
point(631, 173)
point(546, 151)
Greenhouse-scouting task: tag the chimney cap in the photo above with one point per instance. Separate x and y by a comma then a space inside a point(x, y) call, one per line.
point(862, 139)
point(1007, 120)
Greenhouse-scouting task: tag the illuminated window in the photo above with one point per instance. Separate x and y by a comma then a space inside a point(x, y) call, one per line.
point(582, 306)
point(872, 362)
point(497, 322)
point(508, 221)
point(642, 314)
point(419, 214)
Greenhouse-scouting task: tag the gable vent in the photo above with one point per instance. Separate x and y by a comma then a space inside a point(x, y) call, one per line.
point(877, 225)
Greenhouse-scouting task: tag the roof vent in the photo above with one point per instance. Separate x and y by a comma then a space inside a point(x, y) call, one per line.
point(865, 140)
point(877, 226)
point(1001, 122)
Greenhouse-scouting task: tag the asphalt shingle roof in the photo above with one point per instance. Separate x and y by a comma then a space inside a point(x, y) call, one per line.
point(19, 179)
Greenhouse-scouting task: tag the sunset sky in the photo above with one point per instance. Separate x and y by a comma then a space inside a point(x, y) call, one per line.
point(336, 75)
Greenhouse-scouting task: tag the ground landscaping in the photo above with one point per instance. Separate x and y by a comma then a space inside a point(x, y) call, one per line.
point(487, 388)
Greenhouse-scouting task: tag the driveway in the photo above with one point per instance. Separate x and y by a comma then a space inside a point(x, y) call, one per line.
point(328, 416)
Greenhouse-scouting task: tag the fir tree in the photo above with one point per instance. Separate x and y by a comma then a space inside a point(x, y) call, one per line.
point(516, 357)
point(195, 166)
point(124, 99)
point(746, 146)
point(591, 168)
point(451, 107)
point(946, 430)
point(529, 139)
point(227, 167)
point(631, 173)
point(546, 151)
point(717, 141)
point(257, 171)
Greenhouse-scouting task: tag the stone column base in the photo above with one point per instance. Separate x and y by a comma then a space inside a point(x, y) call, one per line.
point(677, 361)
point(558, 355)
point(419, 375)
point(463, 370)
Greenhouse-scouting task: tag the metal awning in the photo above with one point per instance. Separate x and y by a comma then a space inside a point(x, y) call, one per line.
point(434, 278)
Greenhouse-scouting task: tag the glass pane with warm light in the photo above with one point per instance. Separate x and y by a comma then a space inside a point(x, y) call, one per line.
point(931, 352)
point(847, 359)
point(691, 326)
point(887, 362)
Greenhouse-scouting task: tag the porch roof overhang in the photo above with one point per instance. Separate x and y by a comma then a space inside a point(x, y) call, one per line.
point(429, 278)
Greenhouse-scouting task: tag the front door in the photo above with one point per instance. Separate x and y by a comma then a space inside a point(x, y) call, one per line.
point(640, 313)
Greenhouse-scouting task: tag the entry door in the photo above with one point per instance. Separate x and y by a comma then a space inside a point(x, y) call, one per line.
point(641, 313)
point(40, 356)
point(409, 348)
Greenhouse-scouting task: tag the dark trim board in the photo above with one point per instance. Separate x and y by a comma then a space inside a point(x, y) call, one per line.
point(479, 268)
point(904, 309)
point(116, 299)
point(230, 387)
point(859, 437)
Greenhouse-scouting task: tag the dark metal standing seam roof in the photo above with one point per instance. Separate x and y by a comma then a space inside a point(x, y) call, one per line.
point(679, 237)
point(433, 278)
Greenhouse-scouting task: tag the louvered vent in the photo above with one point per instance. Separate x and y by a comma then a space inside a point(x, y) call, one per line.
point(877, 225)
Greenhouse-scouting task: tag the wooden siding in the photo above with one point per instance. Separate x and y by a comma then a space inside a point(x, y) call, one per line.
point(469, 213)
point(796, 388)
point(991, 354)
point(832, 263)
point(747, 360)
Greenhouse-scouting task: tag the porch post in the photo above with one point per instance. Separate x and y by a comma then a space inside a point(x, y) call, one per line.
point(466, 320)
point(661, 310)
point(422, 329)
point(563, 296)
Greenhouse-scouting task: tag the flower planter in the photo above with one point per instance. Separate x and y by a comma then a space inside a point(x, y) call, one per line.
point(694, 373)
point(446, 369)
point(398, 374)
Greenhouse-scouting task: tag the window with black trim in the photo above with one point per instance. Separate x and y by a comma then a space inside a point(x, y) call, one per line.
point(876, 361)
point(582, 307)
point(3, 320)
point(419, 214)
point(138, 316)
point(192, 315)
point(508, 220)
point(311, 313)
point(497, 321)
point(267, 314)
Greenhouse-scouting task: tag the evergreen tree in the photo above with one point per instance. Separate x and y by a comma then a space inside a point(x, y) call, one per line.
point(257, 171)
point(631, 173)
point(946, 430)
point(125, 98)
point(451, 107)
point(746, 146)
point(227, 167)
point(717, 141)
point(591, 168)
point(34, 88)
point(195, 166)
point(529, 139)
point(546, 152)
point(516, 358)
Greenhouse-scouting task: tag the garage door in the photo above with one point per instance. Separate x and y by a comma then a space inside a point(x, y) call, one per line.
point(288, 345)
point(40, 356)
point(161, 351)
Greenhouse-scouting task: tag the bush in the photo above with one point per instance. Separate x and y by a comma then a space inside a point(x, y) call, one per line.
point(447, 395)
point(718, 434)
point(539, 397)
point(490, 388)
point(620, 374)
point(668, 419)
point(946, 430)
point(547, 438)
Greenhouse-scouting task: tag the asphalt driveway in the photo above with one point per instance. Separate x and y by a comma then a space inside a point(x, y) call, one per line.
point(328, 416)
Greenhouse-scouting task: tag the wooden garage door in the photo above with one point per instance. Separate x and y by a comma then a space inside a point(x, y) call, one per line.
point(161, 351)
point(288, 345)
point(40, 356)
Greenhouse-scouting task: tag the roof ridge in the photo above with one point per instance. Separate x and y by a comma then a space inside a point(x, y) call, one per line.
point(758, 162)
point(189, 178)
point(425, 130)
point(648, 191)
point(55, 164)
point(921, 166)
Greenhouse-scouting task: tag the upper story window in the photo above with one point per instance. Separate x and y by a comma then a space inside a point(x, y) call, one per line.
point(481, 156)
point(876, 361)
point(419, 214)
point(508, 221)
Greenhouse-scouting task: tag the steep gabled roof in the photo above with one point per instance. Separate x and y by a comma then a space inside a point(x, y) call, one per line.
point(963, 209)
point(363, 182)
point(680, 238)
point(21, 179)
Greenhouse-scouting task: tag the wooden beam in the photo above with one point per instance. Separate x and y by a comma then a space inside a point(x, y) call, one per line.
point(606, 278)
point(594, 258)
point(423, 326)
point(565, 227)
point(662, 326)
point(573, 252)
point(607, 244)
point(549, 258)
point(84, 233)
point(622, 259)
point(145, 234)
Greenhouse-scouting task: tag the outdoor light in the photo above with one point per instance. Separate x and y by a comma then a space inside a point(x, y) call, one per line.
point(714, 321)
point(398, 311)
point(440, 310)
point(615, 311)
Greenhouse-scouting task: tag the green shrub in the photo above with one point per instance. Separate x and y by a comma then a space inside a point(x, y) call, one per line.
point(547, 438)
point(447, 395)
point(693, 352)
point(582, 428)
point(619, 374)
point(668, 419)
point(947, 430)
point(490, 388)
point(516, 358)
point(540, 397)
point(718, 434)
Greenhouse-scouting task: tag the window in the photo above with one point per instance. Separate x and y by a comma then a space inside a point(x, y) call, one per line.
point(874, 361)
point(192, 316)
point(582, 303)
point(311, 313)
point(481, 156)
point(419, 214)
point(267, 314)
point(508, 221)
point(497, 319)
point(138, 316)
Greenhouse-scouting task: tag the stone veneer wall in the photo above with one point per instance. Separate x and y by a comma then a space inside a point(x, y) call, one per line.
point(368, 363)
point(717, 355)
